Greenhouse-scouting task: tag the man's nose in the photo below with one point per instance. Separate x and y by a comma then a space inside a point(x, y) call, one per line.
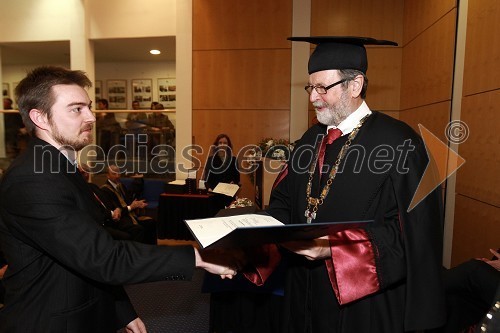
point(89, 116)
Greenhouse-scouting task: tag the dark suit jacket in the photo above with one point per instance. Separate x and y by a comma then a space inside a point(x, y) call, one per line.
point(112, 198)
point(64, 268)
point(104, 207)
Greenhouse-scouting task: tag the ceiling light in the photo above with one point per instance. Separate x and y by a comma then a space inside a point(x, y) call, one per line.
point(155, 52)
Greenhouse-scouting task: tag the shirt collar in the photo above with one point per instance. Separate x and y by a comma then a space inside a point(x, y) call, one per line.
point(348, 124)
point(71, 158)
point(115, 185)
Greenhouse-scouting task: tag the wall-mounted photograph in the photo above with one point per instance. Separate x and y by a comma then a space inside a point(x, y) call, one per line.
point(5, 90)
point(142, 92)
point(98, 89)
point(166, 92)
point(117, 94)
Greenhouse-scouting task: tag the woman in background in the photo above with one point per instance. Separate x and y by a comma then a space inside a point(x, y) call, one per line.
point(221, 167)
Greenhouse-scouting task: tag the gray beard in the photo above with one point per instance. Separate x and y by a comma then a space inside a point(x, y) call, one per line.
point(335, 113)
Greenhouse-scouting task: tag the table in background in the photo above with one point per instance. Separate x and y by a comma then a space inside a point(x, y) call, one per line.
point(173, 209)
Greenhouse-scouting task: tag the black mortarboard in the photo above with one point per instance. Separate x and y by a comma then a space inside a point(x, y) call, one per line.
point(335, 52)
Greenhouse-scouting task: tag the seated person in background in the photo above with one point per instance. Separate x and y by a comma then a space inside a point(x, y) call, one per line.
point(470, 292)
point(108, 129)
point(118, 195)
point(136, 119)
point(119, 227)
point(221, 167)
point(136, 105)
point(136, 124)
point(158, 122)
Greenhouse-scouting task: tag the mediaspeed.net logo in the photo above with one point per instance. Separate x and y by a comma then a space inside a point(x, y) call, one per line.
point(160, 159)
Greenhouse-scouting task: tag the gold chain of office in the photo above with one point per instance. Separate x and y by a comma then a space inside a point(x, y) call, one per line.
point(314, 203)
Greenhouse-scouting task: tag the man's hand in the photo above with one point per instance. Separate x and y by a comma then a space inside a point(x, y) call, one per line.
point(216, 262)
point(495, 263)
point(136, 326)
point(138, 204)
point(116, 215)
point(2, 271)
point(314, 249)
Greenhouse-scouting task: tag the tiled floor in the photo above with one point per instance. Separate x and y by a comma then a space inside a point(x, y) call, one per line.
point(172, 306)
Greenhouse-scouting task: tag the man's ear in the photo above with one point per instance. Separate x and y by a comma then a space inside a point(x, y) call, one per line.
point(357, 85)
point(39, 118)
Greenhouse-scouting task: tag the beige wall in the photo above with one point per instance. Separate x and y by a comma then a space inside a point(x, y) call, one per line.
point(132, 18)
point(35, 20)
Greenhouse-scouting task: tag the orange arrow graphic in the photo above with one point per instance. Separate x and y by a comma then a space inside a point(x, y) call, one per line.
point(443, 162)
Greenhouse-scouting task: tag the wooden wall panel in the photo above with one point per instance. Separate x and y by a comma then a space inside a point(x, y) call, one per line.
point(393, 114)
point(479, 177)
point(434, 117)
point(373, 18)
point(384, 78)
point(241, 79)
point(476, 229)
point(421, 14)
point(244, 127)
point(241, 72)
point(427, 70)
point(229, 24)
point(382, 19)
point(482, 55)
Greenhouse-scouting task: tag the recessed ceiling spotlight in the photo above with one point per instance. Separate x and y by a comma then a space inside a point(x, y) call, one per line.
point(155, 52)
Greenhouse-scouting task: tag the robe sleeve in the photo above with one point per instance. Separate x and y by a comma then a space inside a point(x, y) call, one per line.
point(352, 269)
point(364, 261)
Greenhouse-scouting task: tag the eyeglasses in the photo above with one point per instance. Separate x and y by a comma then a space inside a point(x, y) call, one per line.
point(322, 90)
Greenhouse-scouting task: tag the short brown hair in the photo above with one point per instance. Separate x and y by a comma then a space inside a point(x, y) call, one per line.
point(35, 90)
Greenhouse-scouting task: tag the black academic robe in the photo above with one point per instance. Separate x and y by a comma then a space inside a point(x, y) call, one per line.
point(65, 271)
point(381, 278)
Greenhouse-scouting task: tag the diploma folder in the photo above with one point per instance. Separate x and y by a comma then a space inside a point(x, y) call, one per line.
point(249, 230)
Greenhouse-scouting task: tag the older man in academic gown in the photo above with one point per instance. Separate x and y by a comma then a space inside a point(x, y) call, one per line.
point(384, 277)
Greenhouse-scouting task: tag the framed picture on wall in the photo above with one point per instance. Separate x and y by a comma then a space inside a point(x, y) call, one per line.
point(166, 92)
point(142, 92)
point(5, 90)
point(98, 89)
point(117, 94)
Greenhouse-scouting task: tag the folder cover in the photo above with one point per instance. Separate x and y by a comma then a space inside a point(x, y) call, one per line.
point(249, 230)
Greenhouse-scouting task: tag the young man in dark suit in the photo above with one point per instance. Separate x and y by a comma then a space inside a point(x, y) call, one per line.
point(65, 271)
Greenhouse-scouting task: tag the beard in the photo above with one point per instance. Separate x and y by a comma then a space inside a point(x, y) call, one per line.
point(75, 144)
point(333, 114)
